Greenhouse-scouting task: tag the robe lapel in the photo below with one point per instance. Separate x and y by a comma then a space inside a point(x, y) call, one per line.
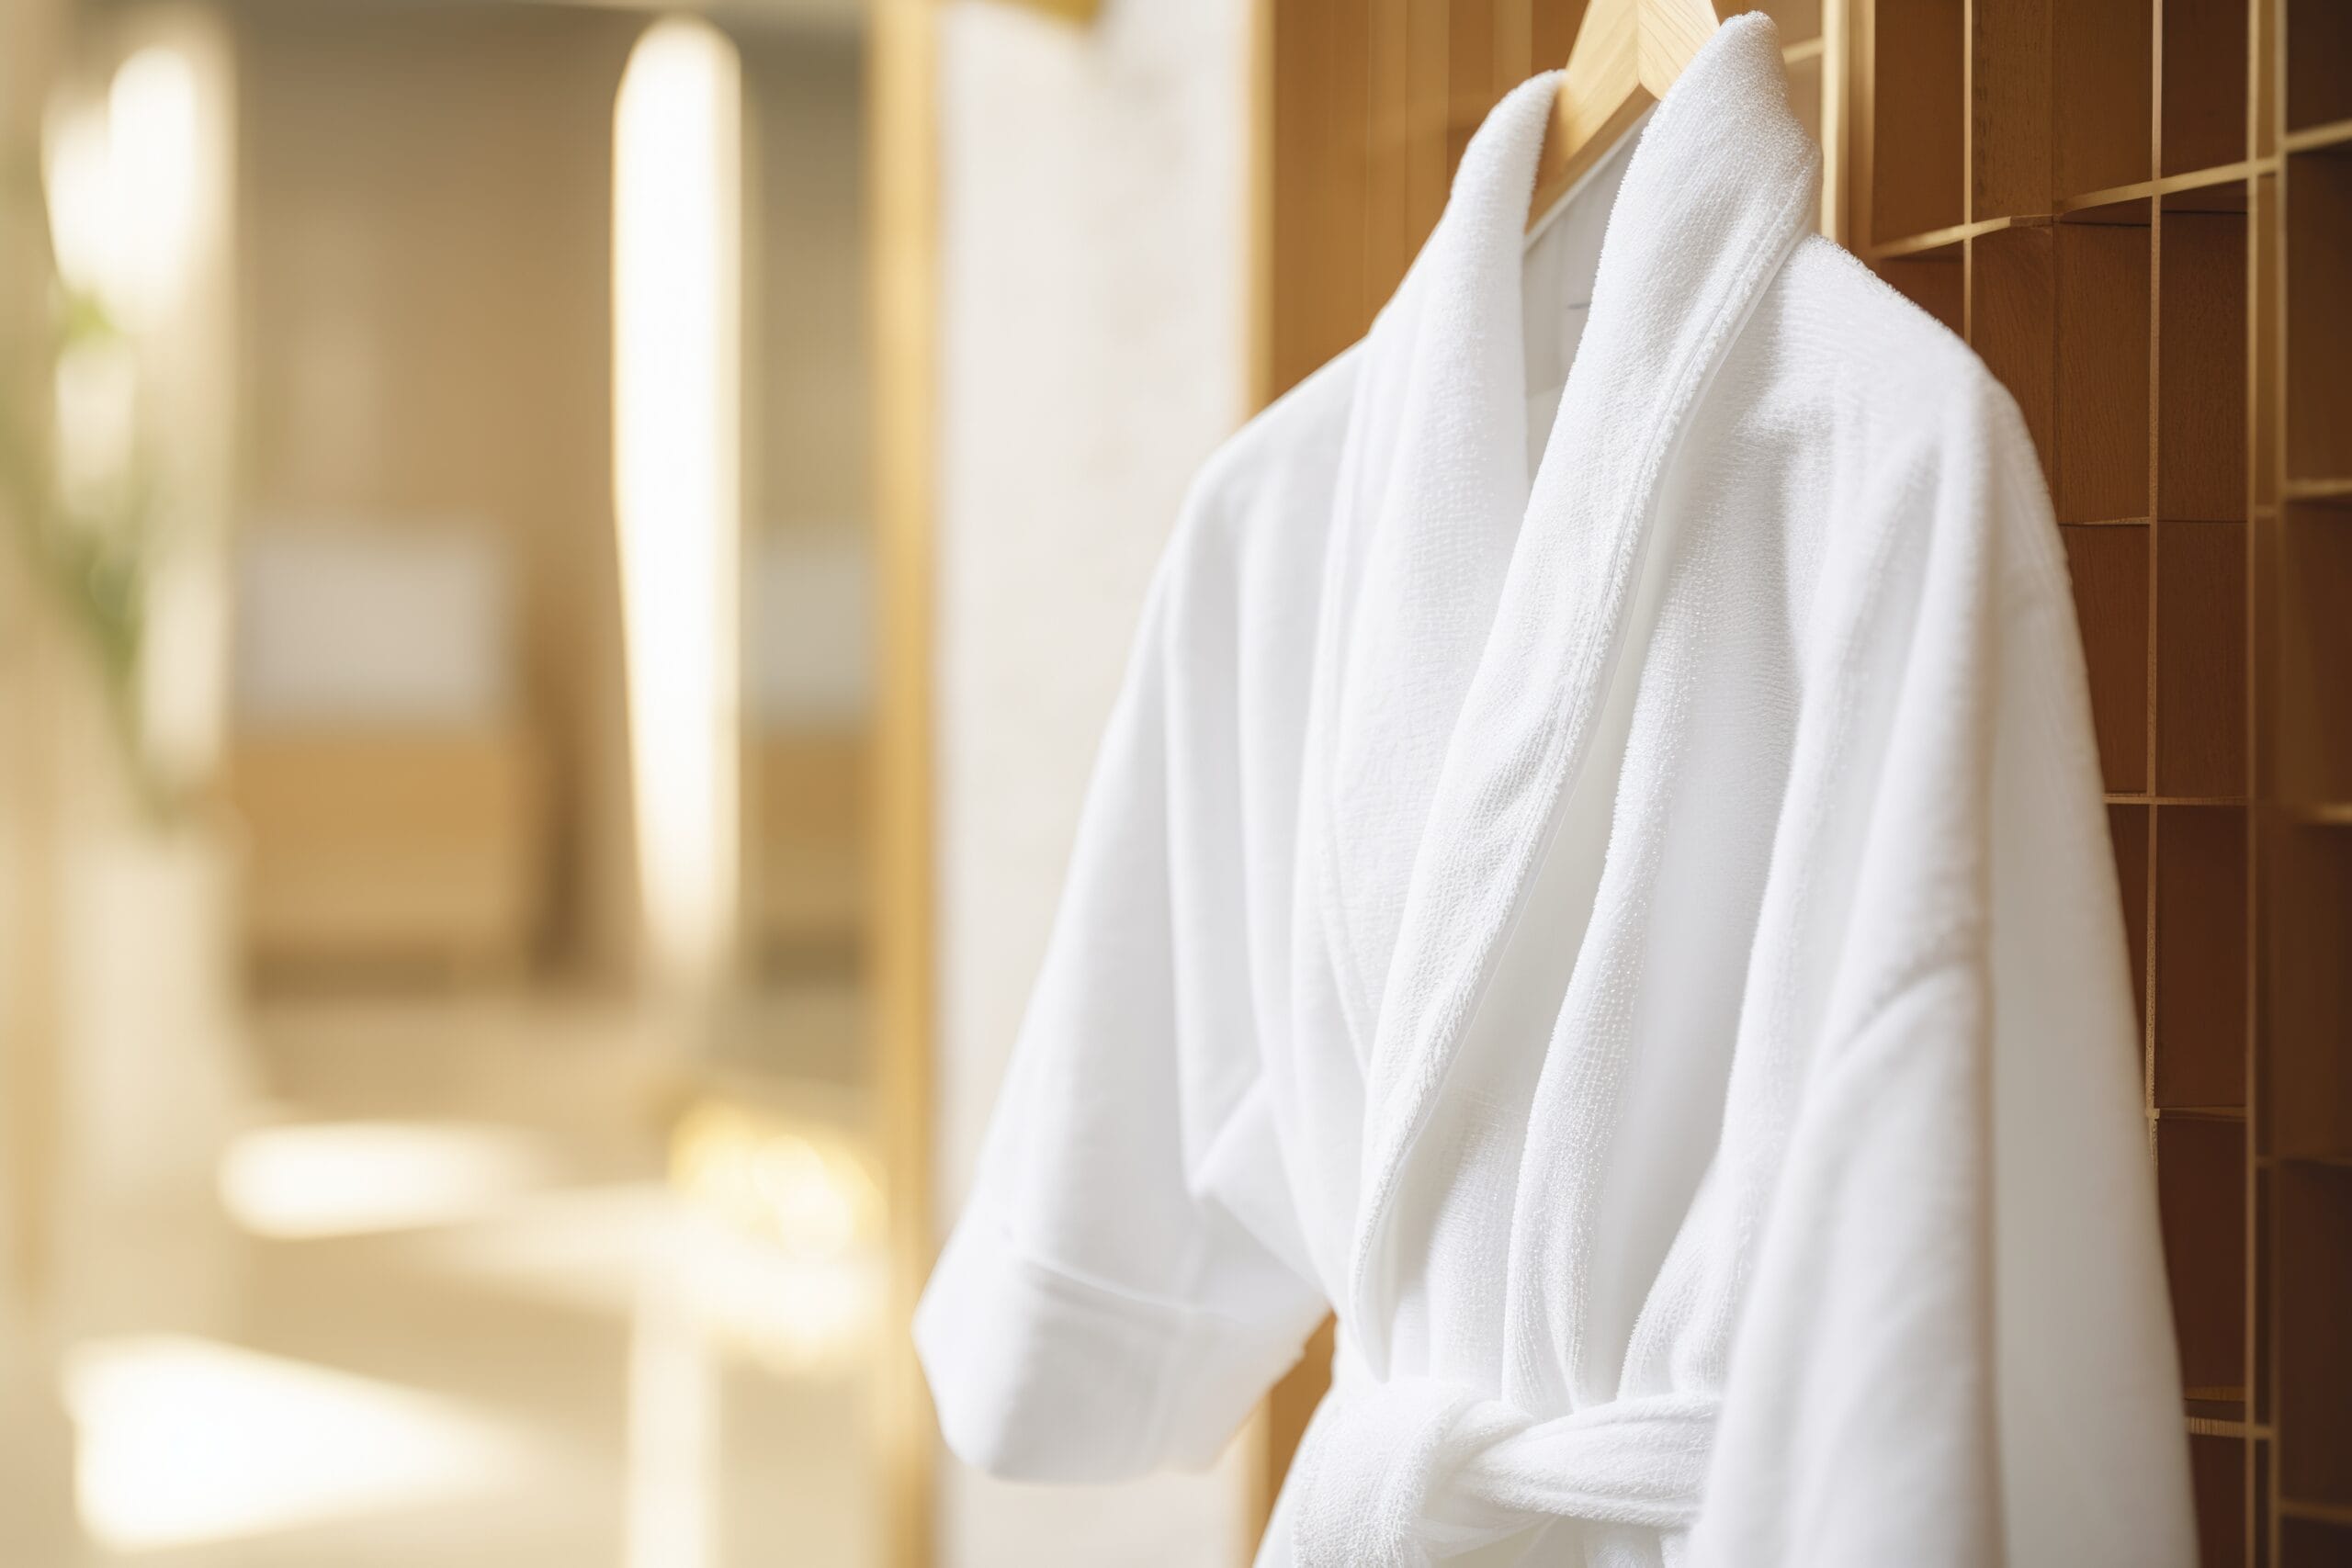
point(1719, 191)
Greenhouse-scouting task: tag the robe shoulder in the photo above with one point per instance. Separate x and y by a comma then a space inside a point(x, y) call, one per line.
point(1909, 400)
point(1913, 382)
point(1275, 474)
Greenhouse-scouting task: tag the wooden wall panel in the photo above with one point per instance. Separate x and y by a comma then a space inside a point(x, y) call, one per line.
point(2100, 53)
point(2010, 92)
point(1371, 104)
point(1386, 135)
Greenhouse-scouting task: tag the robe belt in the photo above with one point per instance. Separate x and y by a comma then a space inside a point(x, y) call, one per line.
point(1407, 1473)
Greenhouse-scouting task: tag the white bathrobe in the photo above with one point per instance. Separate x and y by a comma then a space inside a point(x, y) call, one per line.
point(1633, 932)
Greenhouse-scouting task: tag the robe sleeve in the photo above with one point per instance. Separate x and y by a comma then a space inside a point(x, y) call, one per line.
point(2088, 1397)
point(1956, 1350)
point(1125, 1281)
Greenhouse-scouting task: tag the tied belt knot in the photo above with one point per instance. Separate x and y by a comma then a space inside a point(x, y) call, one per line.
point(1403, 1475)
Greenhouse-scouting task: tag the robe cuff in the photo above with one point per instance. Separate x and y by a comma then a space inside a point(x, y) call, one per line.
point(1040, 1375)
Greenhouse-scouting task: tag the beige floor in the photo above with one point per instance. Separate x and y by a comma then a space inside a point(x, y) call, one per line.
point(488, 1281)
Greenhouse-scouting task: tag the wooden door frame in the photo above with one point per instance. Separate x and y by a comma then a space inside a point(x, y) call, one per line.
point(903, 190)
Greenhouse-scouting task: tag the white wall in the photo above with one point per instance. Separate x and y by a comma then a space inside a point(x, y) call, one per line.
point(1093, 251)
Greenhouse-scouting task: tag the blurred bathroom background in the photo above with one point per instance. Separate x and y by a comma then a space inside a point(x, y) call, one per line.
point(447, 448)
point(438, 652)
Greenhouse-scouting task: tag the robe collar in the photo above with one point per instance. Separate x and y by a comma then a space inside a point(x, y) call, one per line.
point(1482, 612)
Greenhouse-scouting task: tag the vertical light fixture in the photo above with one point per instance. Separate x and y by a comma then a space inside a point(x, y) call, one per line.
point(677, 310)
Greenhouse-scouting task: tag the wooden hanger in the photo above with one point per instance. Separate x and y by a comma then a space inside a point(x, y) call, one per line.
point(1627, 53)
